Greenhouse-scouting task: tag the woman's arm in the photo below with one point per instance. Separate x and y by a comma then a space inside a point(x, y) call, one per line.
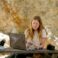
point(44, 39)
point(29, 43)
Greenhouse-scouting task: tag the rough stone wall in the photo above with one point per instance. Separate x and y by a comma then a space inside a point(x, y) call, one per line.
point(26, 9)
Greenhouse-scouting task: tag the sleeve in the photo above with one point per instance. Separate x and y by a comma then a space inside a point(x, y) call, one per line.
point(44, 34)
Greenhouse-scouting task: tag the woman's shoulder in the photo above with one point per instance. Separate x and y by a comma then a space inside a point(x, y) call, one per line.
point(26, 32)
point(44, 33)
point(43, 30)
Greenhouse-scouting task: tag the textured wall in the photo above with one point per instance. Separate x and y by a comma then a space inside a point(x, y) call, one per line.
point(16, 14)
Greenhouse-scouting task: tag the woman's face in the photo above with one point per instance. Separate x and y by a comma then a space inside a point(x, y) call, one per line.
point(35, 24)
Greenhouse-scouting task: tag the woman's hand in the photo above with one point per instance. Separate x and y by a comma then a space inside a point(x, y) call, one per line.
point(29, 43)
point(42, 44)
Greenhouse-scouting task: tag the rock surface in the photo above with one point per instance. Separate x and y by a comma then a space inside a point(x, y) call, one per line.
point(16, 14)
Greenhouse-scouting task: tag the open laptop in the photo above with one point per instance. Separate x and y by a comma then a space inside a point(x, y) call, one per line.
point(17, 41)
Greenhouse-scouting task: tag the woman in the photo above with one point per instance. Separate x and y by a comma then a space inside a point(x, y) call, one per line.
point(36, 36)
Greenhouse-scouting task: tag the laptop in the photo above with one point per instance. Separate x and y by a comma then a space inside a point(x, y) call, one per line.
point(17, 41)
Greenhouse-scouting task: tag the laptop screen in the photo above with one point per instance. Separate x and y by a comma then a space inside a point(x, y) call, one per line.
point(17, 41)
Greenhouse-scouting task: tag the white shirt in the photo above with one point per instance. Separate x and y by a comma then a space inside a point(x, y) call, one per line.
point(35, 40)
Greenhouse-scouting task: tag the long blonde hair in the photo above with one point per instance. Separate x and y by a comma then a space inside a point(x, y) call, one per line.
point(31, 30)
